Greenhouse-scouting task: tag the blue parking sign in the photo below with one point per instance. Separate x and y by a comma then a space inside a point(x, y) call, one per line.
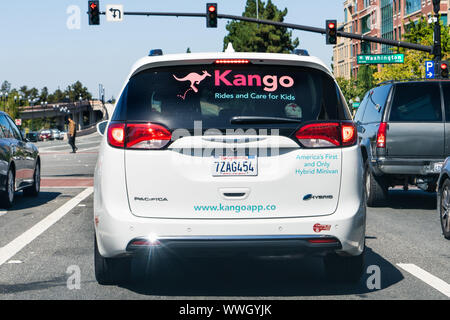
point(429, 69)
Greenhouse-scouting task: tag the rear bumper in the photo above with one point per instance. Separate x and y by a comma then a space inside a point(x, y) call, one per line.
point(421, 167)
point(273, 245)
point(116, 233)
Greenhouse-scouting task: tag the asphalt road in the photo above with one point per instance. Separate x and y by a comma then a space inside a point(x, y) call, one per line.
point(43, 256)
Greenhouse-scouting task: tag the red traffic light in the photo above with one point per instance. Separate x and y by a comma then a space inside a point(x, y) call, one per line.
point(331, 25)
point(444, 66)
point(211, 8)
point(93, 6)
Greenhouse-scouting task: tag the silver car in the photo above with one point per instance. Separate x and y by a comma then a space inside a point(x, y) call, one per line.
point(56, 134)
point(443, 198)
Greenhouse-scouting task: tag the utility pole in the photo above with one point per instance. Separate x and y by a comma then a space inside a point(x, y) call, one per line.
point(437, 48)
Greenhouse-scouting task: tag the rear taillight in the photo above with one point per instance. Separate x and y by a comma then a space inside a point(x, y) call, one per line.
point(138, 135)
point(147, 136)
point(381, 135)
point(116, 134)
point(327, 134)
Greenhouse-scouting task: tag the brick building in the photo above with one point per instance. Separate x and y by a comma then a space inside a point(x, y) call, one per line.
point(379, 18)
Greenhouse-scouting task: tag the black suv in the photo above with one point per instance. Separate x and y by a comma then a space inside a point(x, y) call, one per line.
point(403, 129)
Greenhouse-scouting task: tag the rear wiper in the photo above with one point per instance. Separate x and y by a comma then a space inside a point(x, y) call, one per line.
point(261, 120)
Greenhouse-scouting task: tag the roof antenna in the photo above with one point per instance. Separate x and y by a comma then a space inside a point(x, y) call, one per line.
point(229, 48)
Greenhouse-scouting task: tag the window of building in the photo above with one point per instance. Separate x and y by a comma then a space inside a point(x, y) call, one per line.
point(365, 24)
point(365, 47)
point(387, 23)
point(412, 6)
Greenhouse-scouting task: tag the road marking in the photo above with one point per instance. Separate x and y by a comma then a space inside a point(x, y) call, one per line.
point(427, 277)
point(8, 251)
point(3, 212)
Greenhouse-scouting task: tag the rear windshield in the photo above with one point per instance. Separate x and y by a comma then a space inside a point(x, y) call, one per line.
point(213, 94)
point(416, 102)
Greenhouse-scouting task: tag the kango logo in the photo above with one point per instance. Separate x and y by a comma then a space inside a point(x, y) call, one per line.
point(228, 79)
point(194, 79)
point(270, 81)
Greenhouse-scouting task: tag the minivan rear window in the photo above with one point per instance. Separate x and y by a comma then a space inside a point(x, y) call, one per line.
point(416, 102)
point(178, 96)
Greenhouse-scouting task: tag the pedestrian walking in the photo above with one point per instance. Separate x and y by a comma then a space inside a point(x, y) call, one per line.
point(72, 134)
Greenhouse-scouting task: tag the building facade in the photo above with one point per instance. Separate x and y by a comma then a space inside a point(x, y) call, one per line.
point(379, 18)
point(342, 55)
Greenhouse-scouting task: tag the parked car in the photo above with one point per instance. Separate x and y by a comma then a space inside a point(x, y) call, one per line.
point(45, 135)
point(56, 134)
point(402, 129)
point(287, 181)
point(443, 198)
point(32, 136)
point(20, 165)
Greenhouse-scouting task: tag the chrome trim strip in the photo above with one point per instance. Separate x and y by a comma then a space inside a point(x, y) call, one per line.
point(237, 238)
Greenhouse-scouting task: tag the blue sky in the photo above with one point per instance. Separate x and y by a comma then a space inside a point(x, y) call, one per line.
point(38, 49)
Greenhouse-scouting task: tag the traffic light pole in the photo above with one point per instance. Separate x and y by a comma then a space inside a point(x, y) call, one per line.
point(437, 48)
point(395, 43)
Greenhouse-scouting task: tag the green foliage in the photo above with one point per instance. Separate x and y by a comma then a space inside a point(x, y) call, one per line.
point(357, 88)
point(252, 37)
point(414, 67)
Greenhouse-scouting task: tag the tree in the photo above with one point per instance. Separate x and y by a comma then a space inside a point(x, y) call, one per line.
point(76, 90)
point(44, 94)
point(357, 88)
point(252, 37)
point(414, 65)
point(6, 86)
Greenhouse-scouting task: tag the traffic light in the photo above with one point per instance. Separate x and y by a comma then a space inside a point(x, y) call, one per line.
point(331, 28)
point(211, 15)
point(443, 69)
point(94, 12)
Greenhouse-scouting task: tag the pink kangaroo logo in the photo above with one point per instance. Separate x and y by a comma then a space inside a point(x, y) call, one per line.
point(195, 79)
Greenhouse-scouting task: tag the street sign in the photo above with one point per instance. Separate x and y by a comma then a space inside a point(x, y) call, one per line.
point(114, 12)
point(18, 122)
point(356, 105)
point(380, 58)
point(429, 69)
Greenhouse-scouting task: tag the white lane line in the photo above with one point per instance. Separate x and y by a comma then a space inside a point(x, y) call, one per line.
point(3, 212)
point(8, 251)
point(427, 277)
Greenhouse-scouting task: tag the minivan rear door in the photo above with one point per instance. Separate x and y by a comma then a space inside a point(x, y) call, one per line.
point(217, 168)
point(416, 127)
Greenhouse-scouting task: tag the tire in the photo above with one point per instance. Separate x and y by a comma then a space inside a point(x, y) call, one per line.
point(110, 271)
point(376, 188)
point(7, 196)
point(444, 208)
point(348, 269)
point(33, 190)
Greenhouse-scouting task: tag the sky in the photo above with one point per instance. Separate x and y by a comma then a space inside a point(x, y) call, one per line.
point(38, 48)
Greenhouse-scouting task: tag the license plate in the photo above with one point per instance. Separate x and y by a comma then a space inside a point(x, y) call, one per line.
point(235, 166)
point(437, 167)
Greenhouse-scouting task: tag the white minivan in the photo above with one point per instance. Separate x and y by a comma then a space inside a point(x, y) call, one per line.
point(226, 154)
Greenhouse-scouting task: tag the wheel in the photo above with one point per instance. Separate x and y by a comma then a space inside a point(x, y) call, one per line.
point(7, 196)
point(33, 190)
point(344, 268)
point(376, 188)
point(444, 208)
point(109, 271)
